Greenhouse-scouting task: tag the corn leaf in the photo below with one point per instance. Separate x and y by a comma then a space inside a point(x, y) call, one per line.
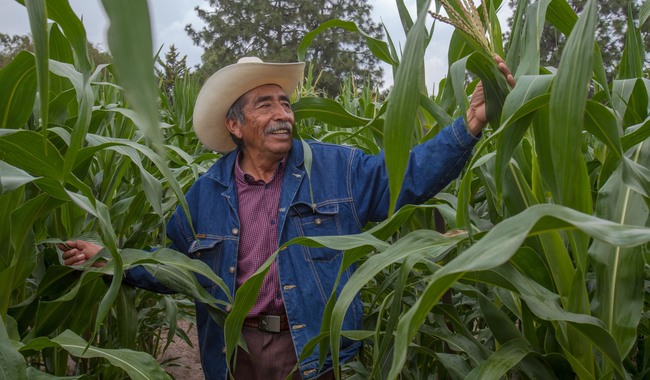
point(326, 111)
point(129, 39)
point(497, 246)
point(631, 65)
point(378, 47)
point(618, 299)
point(12, 363)
point(402, 108)
point(37, 12)
point(529, 59)
point(138, 365)
point(17, 91)
point(567, 106)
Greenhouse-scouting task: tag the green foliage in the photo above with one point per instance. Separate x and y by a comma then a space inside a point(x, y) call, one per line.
point(542, 275)
point(272, 30)
point(610, 32)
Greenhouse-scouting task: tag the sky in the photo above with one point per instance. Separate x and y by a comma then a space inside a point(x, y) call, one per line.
point(169, 18)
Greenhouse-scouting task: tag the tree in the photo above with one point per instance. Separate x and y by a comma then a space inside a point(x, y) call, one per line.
point(610, 33)
point(11, 45)
point(171, 69)
point(272, 30)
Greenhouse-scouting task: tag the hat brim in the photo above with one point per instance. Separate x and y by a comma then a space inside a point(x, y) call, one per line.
point(225, 86)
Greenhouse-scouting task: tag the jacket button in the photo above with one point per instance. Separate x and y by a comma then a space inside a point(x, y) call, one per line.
point(318, 221)
point(232, 269)
point(309, 372)
point(298, 327)
point(198, 254)
point(228, 308)
point(223, 350)
point(235, 231)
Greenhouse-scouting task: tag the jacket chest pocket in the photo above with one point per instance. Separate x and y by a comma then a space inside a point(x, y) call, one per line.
point(209, 250)
point(322, 220)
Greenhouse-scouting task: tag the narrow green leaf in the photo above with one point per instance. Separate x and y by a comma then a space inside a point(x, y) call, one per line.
point(129, 39)
point(601, 122)
point(527, 89)
point(630, 100)
point(165, 257)
point(12, 178)
point(245, 299)
point(404, 16)
point(138, 365)
point(435, 110)
point(529, 60)
point(38, 25)
point(402, 108)
point(644, 13)
point(17, 91)
point(378, 47)
point(618, 299)
point(497, 246)
point(326, 111)
point(562, 16)
point(498, 364)
point(568, 103)
point(161, 165)
point(32, 153)
point(631, 65)
point(12, 363)
point(61, 12)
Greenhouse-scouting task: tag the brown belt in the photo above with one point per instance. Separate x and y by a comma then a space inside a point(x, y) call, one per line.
point(268, 323)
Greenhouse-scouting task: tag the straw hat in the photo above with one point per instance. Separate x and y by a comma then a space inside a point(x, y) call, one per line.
point(225, 86)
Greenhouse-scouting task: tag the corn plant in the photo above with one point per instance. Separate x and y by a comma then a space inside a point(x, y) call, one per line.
point(535, 290)
point(541, 276)
point(83, 156)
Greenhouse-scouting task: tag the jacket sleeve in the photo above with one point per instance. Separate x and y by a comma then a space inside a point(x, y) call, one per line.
point(431, 167)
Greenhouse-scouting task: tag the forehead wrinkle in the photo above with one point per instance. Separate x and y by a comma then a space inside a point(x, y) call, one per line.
point(264, 98)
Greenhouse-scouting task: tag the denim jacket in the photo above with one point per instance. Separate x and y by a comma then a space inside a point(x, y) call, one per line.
point(350, 188)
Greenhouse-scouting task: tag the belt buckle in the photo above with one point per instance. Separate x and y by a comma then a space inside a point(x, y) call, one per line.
point(268, 323)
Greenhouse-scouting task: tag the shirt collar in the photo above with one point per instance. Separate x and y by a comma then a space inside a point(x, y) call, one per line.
point(243, 177)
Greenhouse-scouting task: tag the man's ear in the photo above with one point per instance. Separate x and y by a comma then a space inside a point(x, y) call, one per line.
point(234, 127)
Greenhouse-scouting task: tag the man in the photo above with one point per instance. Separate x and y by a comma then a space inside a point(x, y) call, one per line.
point(256, 198)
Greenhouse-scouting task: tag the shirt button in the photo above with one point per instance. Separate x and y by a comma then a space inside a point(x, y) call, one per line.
point(318, 221)
point(232, 269)
point(235, 231)
point(228, 308)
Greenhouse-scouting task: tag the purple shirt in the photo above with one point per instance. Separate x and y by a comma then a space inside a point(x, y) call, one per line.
point(258, 240)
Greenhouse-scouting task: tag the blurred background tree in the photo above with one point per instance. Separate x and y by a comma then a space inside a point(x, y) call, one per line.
point(272, 30)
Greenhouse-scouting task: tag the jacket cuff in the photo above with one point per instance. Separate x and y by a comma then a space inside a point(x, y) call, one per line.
point(463, 136)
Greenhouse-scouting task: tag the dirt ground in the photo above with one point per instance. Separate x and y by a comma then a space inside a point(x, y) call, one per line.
point(186, 364)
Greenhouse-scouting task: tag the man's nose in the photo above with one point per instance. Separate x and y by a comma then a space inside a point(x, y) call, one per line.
point(281, 113)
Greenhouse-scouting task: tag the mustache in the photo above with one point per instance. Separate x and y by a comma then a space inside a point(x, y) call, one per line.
point(279, 125)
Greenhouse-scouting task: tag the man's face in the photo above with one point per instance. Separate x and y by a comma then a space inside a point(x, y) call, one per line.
point(268, 122)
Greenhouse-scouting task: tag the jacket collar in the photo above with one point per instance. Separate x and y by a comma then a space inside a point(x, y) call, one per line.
point(222, 170)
